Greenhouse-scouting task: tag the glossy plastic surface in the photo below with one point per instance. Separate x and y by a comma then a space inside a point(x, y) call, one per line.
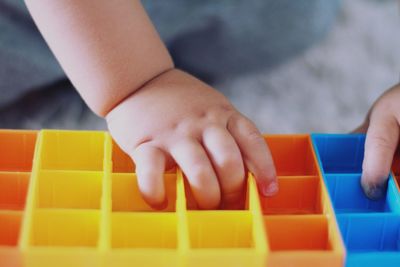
point(370, 228)
point(70, 198)
point(17, 150)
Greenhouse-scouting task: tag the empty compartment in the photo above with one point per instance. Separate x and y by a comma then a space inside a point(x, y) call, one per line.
point(144, 230)
point(340, 153)
point(72, 150)
point(216, 229)
point(297, 195)
point(366, 233)
point(348, 196)
point(77, 190)
point(10, 226)
point(65, 228)
point(13, 190)
point(17, 149)
point(291, 233)
point(292, 154)
point(127, 197)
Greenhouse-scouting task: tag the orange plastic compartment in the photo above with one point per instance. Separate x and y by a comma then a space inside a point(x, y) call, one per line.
point(13, 190)
point(17, 149)
point(302, 240)
point(292, 154)
point(10, 228)
point(10, 224)
point(297, 195)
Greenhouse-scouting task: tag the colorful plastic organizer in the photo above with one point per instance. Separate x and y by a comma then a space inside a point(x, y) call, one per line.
point(70, 198)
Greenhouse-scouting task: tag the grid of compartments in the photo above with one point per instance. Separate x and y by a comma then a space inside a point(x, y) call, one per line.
point(370, 229)
point(139, 235)
point(65, 205)
point(180, 234)
point(299, 221)
point(16, 157)
point(84, 208)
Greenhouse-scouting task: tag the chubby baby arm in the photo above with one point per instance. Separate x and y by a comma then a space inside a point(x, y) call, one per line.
point(158, 115)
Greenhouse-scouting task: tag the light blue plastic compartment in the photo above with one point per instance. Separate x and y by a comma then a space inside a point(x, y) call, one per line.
point(347, 195)
point(370, 229)
point(343, 179)
point(339, 153)
point(371, 239)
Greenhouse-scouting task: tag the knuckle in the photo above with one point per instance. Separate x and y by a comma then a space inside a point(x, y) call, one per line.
point(380, 141)
point(227, 106)
point(235, 184)
point(237, 119)
point(230, 162)
point(200, 172)
point(232, 179)
point(187, 128)
point(252, 133)
point(255, 138)
point(140, 152)
point(219, 114)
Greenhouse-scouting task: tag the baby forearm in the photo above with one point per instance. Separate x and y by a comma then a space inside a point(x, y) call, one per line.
point(108, 49)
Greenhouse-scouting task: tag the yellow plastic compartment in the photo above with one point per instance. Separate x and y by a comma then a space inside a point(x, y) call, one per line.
point(83, 208)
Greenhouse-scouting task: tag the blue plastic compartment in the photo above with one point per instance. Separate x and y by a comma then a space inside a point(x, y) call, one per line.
point(348, 197)
point(340, 153)
point(371, 239)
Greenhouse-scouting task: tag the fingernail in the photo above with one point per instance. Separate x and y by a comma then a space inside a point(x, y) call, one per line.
point(270, 190)
point(374, 191)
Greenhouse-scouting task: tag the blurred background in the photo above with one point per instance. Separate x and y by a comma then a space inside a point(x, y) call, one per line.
point(290, 66)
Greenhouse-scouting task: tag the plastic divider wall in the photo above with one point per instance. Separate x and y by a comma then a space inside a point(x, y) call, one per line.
point(370, 229)
point(84, 209)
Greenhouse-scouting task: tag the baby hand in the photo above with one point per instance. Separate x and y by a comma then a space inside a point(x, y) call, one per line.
point(177, 119)
point(382, 128)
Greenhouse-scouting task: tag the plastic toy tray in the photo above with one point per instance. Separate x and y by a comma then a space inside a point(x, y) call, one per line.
point(70, 198)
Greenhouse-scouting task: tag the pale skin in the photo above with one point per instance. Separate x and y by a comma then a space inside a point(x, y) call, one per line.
point(163, 117)
point(382, 128)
